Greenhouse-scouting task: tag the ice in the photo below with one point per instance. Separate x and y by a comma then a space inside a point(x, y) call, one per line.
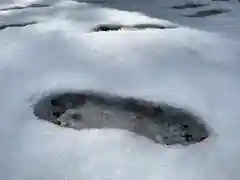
point(193, 66)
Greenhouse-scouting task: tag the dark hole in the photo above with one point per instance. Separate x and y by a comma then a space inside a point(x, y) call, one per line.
point(150, 119)
point(188, 137)
point(57, 114)
point(108, 27)
point(57, 122)
point(202, 138)
point(185, 127)
point(54, 102)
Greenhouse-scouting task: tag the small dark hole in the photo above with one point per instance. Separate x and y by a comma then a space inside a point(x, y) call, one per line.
point(54, 102)
point(188, 137)
point(108, 27)
point(202, 138)
point(57, 114)
point(184, 127)
point(57, 122)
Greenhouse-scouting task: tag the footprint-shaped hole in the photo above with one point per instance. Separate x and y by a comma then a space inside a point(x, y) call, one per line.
point(161, 123)
point(117, 27)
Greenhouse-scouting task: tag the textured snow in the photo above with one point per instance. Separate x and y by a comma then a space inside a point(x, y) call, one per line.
point(192, 66)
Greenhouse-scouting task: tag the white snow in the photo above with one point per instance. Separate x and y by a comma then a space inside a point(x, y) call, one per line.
point(192, 66)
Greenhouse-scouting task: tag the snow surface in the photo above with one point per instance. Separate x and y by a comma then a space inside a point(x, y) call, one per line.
point(193, 66)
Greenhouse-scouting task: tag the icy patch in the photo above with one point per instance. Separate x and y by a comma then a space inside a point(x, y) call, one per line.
point(159, 122)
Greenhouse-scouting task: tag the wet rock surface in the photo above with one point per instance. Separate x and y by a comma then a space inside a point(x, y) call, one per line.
point(159, 122)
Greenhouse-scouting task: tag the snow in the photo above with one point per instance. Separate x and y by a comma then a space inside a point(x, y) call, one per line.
point(193, 66)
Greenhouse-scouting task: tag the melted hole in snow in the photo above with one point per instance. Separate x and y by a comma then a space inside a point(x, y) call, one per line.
point(206, 13)
point(159, 122)
point(5, 26)
point(117, 27)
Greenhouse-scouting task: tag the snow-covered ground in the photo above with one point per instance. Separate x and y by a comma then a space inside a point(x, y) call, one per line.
point(193, 66)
